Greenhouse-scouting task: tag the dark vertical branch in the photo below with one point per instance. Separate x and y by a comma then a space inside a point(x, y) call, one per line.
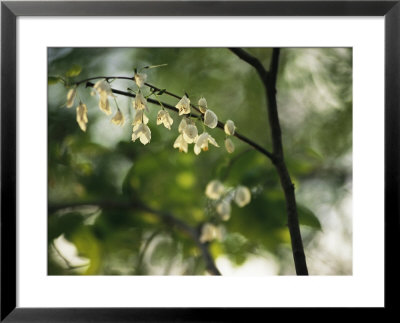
point(269, 81)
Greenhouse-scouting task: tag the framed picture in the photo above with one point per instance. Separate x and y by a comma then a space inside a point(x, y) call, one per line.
point(158, 167)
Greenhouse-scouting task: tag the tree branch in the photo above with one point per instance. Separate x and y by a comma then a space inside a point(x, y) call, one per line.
point(269, 82)
point(163, 216)
point(220, 124)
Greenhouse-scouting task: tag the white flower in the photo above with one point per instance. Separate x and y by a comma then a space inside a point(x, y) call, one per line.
point(181, 144)
point(163, 117)
point(182, 125)
point(229, 128)
point(140, 102)
point(140, 79)
point(103, 88)
point(202, 105)
point(214, 189)
point(71, 97)
point(230, 147)
point(202, 142)
point(210, 119)
point(81, 116)
point(242, 196)
point(190, 133)
point(209, 232)
point(183, 105)
point(142, 132)
point(140, 117)
point(118, 119)
point(224, 210)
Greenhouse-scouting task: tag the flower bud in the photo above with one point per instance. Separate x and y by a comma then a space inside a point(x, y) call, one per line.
point(229, 128)
point(224, 210)
point(229, 145)
point(183, 105)
point(190, 133)
point(118, 119)
point(214, 189)
point(71, 97)
point(210, 119)
point(242, 196)
point(202, 105)
point(209, 232)
point(81, 116)
point(140, 79)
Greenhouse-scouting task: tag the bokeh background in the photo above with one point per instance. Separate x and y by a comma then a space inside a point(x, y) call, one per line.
point(103, 166)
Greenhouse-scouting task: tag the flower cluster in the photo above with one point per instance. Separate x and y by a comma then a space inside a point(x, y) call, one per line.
point(104, 91)
point(223, 196)
point(210, 232)
point(188, 132)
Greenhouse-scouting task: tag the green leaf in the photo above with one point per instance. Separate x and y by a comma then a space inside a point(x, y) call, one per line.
point(307, 217)
point(75, 70)
point(51, 80)
point(89, 247)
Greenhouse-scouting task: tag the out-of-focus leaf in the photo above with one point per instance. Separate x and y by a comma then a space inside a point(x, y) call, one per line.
point(89, 247)
point(51, 80)
point(236, 248)
point(307, 217)
point(75, 70)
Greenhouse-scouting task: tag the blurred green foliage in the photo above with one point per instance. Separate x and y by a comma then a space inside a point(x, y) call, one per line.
point(102, 166)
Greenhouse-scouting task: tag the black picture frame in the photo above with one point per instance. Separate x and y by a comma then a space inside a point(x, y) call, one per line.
point(10, 10)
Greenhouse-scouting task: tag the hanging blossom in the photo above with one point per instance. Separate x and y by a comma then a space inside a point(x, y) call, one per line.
point(188, 130)
point(210, 232)
point(71, 97)
point(180, 142)
point(141, 131)
point(140, 102)
point(202, 105)
point(140, 117)
point(229, 128)
point(210, 119)
point(224, 209)
point(183, 105)
point(163, 117)
point(242, 196)
point(103, 89)
point(182, 125)
point(229, 145)
point(81, 116)
point(190, 133)
point(214, 189)
point(140, 106)
point(140, 79)
point(118, 118)
point(202, 143)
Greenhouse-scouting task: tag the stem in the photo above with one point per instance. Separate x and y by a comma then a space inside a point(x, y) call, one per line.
point(269, 82)
point(164, 216)
point(104, 77)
